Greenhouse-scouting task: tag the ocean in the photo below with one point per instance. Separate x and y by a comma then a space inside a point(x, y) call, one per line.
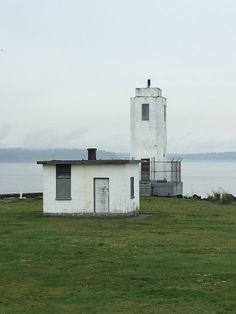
point(199, 177)
point(204, 177)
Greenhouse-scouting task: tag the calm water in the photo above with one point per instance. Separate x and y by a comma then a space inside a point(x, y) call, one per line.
point(199, 177)
point(15, 178)
point(203, 177)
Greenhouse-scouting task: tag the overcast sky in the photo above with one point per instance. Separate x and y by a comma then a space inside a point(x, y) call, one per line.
point(68, 69)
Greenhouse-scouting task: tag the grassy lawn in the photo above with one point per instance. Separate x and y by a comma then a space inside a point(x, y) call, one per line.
point(180, 259)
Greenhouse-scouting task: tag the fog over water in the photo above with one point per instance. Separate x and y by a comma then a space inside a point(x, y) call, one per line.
point(199, 177)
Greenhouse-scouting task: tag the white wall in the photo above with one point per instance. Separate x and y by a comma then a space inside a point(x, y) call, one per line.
point(132, 170)
point(82, 189)
point(148, 91)
point(148, 138)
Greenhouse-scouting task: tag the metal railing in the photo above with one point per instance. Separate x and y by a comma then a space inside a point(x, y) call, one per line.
point(162, 171)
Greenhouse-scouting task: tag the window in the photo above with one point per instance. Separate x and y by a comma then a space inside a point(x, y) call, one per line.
point(63, 182)
point(131, 187)
point(145, 169)
point(165, 113)
point(145, 112)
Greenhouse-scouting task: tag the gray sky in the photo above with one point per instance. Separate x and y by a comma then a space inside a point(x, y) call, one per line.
point(69, 68)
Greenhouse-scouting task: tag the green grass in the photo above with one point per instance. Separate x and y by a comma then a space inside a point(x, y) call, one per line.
point(180, 259)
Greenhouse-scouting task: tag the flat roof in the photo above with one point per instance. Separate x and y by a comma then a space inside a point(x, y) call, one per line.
point(88, 162)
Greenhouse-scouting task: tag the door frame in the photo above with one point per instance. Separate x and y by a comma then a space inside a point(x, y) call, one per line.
point(94, 193)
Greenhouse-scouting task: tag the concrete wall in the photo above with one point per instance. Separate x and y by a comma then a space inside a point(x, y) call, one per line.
point(167, 188)
point(148, 91)
point(161, 189)
point(82, 189)
point(148, 138)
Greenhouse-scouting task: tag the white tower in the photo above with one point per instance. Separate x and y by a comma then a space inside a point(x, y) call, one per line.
point(148, 124)
point(158, 176)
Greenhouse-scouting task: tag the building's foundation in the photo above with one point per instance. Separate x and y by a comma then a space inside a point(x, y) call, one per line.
point(156, 188)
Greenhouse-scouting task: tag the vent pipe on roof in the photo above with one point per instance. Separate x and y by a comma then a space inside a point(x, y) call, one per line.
point(92, 153)
point(148, 83)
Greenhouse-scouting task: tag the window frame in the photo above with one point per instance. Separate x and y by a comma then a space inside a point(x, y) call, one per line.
point(145, 112)
point(63, 181)
point(132, 195)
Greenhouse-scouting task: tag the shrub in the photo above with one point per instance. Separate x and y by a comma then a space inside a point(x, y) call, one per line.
point(221, 197)
point(215, 196)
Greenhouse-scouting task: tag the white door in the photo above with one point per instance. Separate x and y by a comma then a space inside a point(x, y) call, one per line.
point(101, 195)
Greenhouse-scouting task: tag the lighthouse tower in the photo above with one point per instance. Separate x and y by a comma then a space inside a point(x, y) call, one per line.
point(148, 124)
point(158, 176)
point(148, 132)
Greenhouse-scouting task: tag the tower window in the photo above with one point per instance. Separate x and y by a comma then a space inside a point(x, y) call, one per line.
point(165, 113)
point(145, 112)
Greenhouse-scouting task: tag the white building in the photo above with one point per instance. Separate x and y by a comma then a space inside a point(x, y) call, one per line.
point(148, 130)
point(95, 187)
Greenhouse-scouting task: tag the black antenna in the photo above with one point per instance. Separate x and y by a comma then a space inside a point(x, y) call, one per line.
point(148, 83)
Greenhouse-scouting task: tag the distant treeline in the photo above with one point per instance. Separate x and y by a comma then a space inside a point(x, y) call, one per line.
point(206, 156)
point(18, 155)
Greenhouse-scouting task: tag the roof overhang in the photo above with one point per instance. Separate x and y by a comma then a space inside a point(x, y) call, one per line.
point(88, 162)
